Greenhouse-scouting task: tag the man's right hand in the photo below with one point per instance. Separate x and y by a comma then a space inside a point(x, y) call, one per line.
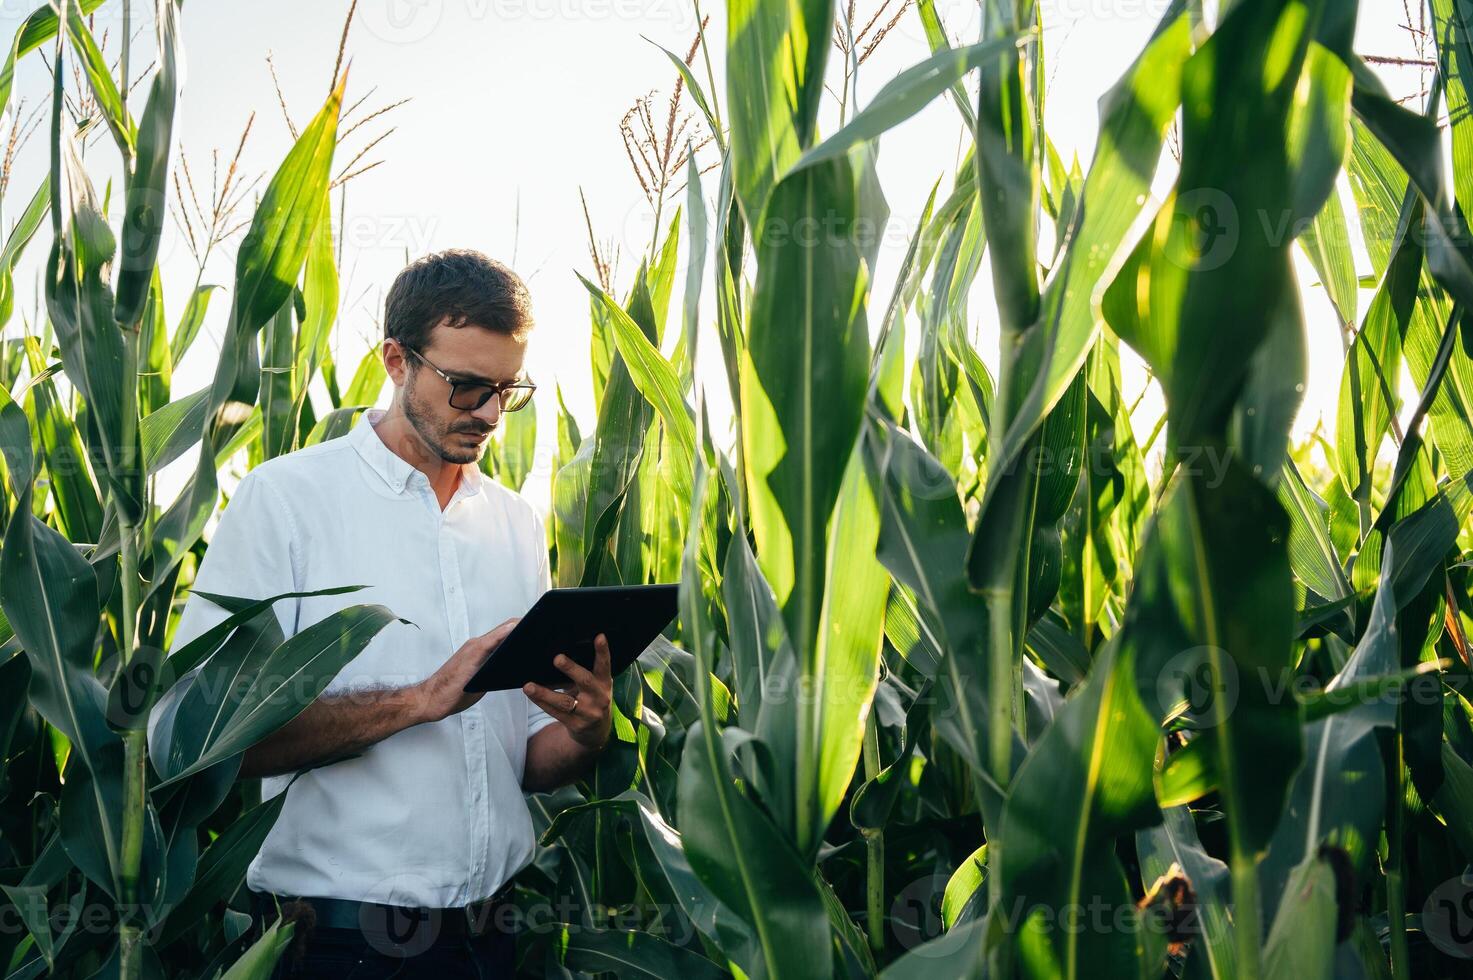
point(443, 694)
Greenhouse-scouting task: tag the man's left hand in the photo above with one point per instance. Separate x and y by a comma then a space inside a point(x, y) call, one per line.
point(582, 708)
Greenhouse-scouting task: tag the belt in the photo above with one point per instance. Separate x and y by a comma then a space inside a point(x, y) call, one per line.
point(401, 929)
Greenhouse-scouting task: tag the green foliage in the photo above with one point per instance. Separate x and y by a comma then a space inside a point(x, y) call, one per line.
point(961, 663)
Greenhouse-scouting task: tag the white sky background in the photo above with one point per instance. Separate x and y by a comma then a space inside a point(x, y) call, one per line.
point(515, 104)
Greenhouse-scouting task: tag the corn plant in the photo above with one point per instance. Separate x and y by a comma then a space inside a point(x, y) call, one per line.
point(89, 579)
point(968, 678)
point(1069, 685)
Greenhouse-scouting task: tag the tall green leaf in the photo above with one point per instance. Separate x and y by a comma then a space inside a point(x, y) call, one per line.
point(222, 866)
point(269, 260)
point(80, 303)
point(1086, 781)
point(1338, 797)
point(34, 31)
point(146, 201)
point(906, 94)
point(775, 58)
point(733, 847)
point(1134, 115)
point(191, 321)
point(1368, 387)
point(1327, 244)
point(78, 504)
point(634, 954)
point(109, 100)
point(923, 542)
point(850, 637)
point(616, 449)
point(278, 351)
point(48, 593)
point(803, 386)
point(658, 382)
point(1210, 625)
point(256, 683)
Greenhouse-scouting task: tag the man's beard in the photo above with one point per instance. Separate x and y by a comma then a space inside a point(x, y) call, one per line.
point(436, 437)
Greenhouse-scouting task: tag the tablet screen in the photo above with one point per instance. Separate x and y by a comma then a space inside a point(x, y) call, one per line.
point(567, 621)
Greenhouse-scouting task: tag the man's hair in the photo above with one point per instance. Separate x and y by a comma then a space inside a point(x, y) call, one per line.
point(460, 287)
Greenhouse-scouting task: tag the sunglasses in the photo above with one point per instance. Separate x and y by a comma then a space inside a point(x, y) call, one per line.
point(467, 396)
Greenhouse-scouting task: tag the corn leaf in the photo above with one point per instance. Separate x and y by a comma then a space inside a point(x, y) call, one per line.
point(1327, 244)
point(34, 31)
point(278, 357)
point(104, 90)
point(78, 504)
point(49, 595)
point(1086, 781)
point(658, 382)
point(634, 954)
point(267, 266)
point(617, 445)
point(732, 846)
point(171, 430)
point(260, 959)
point(904, 95)
point(850, 635)
point(79, 301)
point(146, 201)
point(775, 62)
point(256, 683)
point(190, 322)
point(1368, 386)
point(222, 867)
point(1302, 941)
point(923, 542)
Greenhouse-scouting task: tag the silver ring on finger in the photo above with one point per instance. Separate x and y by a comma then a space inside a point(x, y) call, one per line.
point(574, 709)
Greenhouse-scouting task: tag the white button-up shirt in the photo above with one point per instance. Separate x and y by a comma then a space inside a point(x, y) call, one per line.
point(433, 815)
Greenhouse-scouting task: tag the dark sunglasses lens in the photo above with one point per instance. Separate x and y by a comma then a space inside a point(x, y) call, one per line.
point(468, 398)
point(515, 398)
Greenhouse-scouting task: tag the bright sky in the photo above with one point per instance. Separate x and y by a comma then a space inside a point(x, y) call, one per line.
point(515, 105)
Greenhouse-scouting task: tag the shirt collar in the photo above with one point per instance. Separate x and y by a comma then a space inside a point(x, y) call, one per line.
point(393, 468)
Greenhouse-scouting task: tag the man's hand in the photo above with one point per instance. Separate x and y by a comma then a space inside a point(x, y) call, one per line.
point(442, 694)
point(584, 707)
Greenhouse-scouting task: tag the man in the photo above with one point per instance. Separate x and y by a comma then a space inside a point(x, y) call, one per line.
point(396, 859)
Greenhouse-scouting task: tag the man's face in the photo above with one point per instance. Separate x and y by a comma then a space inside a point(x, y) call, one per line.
point(468, 353)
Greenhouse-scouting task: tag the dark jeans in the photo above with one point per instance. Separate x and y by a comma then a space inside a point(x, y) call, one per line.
point(351, 954)
point(344, 954)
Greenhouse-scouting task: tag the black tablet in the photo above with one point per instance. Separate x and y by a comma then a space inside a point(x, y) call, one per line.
point(566, 621)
